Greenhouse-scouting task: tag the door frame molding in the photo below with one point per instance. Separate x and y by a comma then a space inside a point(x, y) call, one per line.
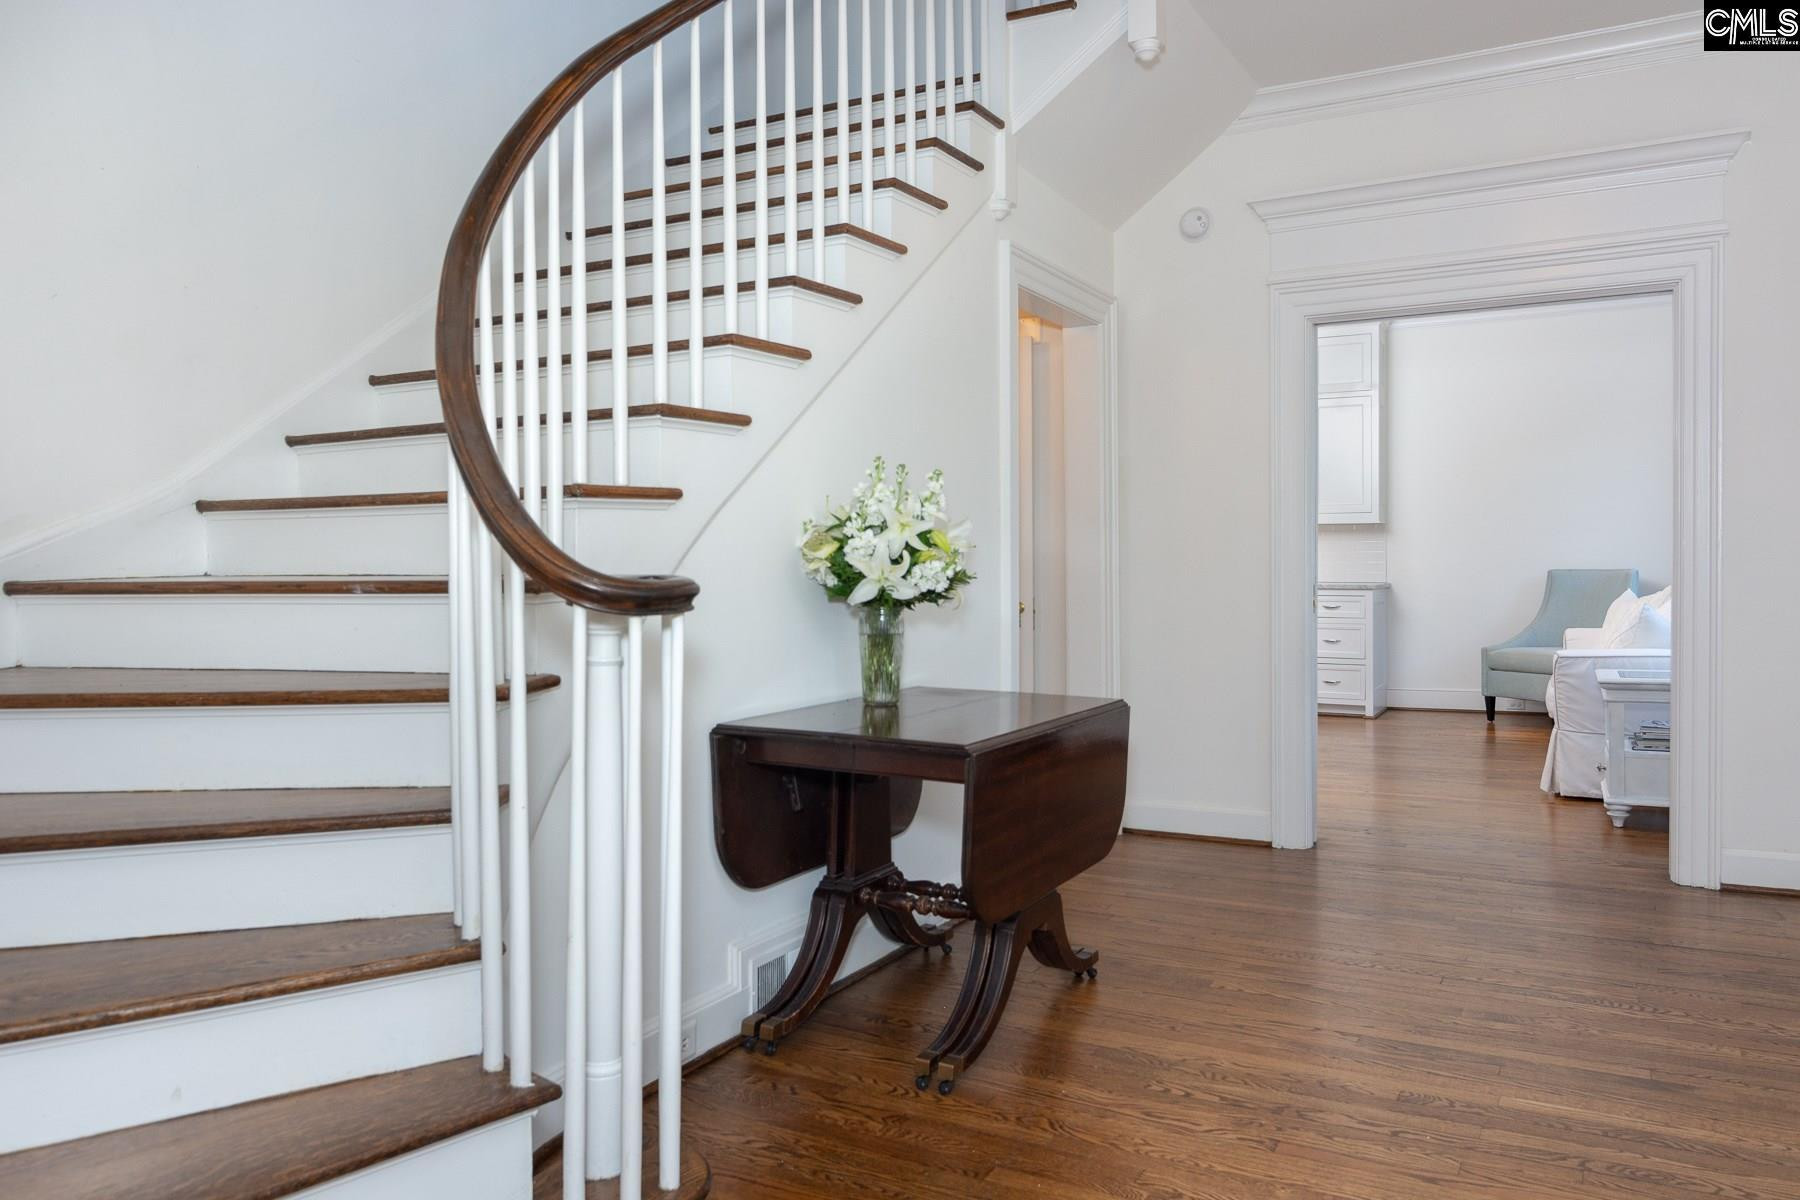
point(1023, 271)
point(1665, 205)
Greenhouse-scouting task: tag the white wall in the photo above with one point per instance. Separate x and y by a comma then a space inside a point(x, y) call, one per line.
point(1195, 417)
point(1517, 440)
point(209, 204)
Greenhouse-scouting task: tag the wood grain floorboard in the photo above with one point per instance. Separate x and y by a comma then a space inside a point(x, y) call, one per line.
point(1469, 990)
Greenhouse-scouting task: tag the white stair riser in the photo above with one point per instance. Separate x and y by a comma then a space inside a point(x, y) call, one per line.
point(842, 254)
point(490, 1163)
point(132, 1074)
point(638, 321)
point(730, 374)
point(162, 749)
point(680, 233)
point(297, 633)
point(421, 464)
point(713, 195)
point(232, 883)
point(834, 171)
point(777, 127)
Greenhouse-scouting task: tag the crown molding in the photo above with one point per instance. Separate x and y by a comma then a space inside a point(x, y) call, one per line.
point(1571, 56)
point(1555, 175)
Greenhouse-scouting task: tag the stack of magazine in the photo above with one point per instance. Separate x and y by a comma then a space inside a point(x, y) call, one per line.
point(1652, 736)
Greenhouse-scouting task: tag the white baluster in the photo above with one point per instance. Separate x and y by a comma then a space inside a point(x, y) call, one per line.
point(606, 806)
point(697, 229)
point(866, 92)
point(552, 436)
point(843, 115)
point(530, 437)
point(468, 701)
point(728, 176)
point(621, 398)
point(791, 140)
point(492, 997)
point(996, 97)
point(575, 1016)
point(912, 77)
point(668, 1079)
point(521, 429)
point(453, 584)
point(659, 239)
point(631, 975)
point(819, 175)
point(578, 315)
point(762, 172)
point(931, 68)
point(890, 105)
point(949, 72)
point(968, 57)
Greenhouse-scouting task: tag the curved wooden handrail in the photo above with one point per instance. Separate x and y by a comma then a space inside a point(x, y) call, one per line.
point(496, 497)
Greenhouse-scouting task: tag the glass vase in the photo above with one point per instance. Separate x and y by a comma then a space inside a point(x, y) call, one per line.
point(880, 635)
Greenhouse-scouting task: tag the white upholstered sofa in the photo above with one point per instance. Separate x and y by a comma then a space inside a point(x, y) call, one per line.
point(1572, 766)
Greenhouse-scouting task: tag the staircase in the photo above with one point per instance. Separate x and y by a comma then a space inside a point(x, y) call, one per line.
point(266, 837)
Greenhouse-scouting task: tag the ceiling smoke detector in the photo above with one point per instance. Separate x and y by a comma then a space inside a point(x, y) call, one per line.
point(1194, 224)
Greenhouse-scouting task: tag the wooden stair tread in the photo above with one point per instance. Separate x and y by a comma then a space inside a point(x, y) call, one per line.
point(941, 85)
point(242, 585)
point(273, 1147)
point(161, 687)
point(710, 291)
point(748, 208)
point(1041, 10)
point(572, 491)
point(712, 341)
point(747, 242)
point(33, 822)
point(50, 990)
point(679, 412)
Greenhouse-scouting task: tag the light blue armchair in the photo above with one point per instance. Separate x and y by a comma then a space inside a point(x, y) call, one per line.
point(1520, 666)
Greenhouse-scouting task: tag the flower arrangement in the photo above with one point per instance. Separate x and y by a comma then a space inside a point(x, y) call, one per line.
point(886, 551)
point(888, 546)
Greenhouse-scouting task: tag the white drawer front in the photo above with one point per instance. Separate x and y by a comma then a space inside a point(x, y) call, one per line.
point(1340, 685)
point(1336, 604)
point(1343, 641)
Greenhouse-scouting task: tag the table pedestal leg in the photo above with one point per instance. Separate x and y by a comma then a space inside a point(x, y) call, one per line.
point(993, 965)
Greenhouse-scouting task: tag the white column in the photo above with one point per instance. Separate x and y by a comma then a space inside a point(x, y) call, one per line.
point(606, 799)
point(631, 916)
point(575, 1016)
point(668, 1075)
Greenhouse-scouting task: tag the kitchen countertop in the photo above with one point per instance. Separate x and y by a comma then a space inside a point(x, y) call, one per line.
point(1350, 587)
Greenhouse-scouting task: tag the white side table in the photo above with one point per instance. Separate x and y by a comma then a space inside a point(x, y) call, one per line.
point(1637, 771)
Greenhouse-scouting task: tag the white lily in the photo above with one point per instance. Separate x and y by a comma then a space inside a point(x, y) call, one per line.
point(880, 576)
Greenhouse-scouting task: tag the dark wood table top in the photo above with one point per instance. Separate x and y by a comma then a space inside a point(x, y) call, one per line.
point(957, 720)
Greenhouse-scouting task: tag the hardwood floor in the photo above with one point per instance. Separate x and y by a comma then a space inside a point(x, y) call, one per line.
point(1468, 990)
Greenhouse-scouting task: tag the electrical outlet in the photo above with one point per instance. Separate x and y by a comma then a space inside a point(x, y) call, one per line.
point(690, 1033)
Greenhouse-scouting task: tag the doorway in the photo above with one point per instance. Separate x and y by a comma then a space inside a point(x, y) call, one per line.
point(1059, 392)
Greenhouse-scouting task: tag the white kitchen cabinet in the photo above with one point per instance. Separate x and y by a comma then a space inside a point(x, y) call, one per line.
point(1352, 646)
point(1350, 383)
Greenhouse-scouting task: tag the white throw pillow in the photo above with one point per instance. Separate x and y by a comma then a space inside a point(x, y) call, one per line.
point(1618, 614)
point(1648, 629)
point(1661, 601)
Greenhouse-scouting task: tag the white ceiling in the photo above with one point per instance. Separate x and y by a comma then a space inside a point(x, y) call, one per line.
point(1285, 41)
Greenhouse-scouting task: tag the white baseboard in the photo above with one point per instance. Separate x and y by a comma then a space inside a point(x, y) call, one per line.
point(718, 1013)
point(1249, 825)
point(1760, 868)
point(1455, 698)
